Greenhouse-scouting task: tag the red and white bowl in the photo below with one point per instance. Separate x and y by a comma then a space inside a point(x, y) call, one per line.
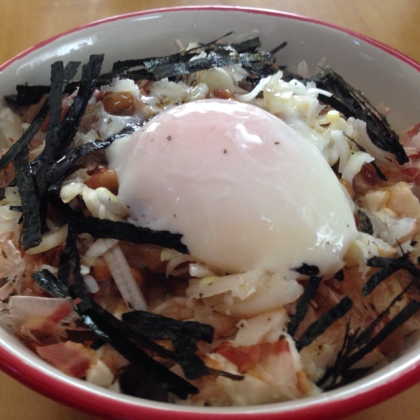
point(382, 73)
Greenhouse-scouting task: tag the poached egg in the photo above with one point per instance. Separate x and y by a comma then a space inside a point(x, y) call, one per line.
point(243, 188)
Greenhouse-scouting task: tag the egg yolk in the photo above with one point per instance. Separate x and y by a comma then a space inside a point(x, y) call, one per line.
point(242, 187)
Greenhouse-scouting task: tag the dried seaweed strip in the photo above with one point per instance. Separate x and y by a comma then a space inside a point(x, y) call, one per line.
point(334, 371)
point(217, 55)
point(191, 330)
point(26, 137)
point(248, 45)
point(67, 257)
point(121, 65)
point(158, 326)
point(365, 225)
point(277, 49)
point(185, 350)
point(302, 305)
point(57, 80)
point(95, 320)
point(51, 284)
point(30, 95)
point(380, 174)
point(58, 170)
point(70, 260)
point(229, 375)
point(101, 228)
point(406, 313)
point(352, 103)
point(356, 345)
point(215, 41)
point(123, 231)
point(58, 287)
point(31, 222)
point(183, 335)
point(307, 270)
point(325, 321)
point(364, 336)
point(215, 58)
point(256, 62)
point(378, 278)
point(69, 72)
point(339, 275)
point(70, 124)
point(154, 370)
point(402, 263)
point(388, 267)
point(136, 74)
point(133, 332)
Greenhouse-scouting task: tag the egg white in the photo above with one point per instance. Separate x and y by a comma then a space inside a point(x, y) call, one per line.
point(243, 188)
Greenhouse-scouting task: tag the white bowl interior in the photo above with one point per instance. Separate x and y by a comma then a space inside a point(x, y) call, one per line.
point(383, 77)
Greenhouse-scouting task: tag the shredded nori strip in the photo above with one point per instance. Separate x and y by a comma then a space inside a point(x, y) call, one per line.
point(302, 305)
point(34, 127)
point(2, 193)
point(388, 267)
point(277, 49)
point(94, 318)
point(57, 80)
point(57, 171)
point(32, 94)
point(123, 231)
point(339, 275)
point(380, 174)
point(185, 350)
point(192, 365)
point(326, 320)
point(347, 357)
point(217, 55)
point(70, 124)
point(183, 56)
point(170, 381)
point(364, 336)
point(356, 345)
point(16, 208)
point(410, 309)
point(215, 58)
point(158, 326)
point(132, 332)
point(101, 228)
point(307, 270)
point(365, 225)
point(248, 45)
point(31, 222)
point(26, 137)
point(182, 334)
point(51, 284)
point(70, 264)
point(352, 103)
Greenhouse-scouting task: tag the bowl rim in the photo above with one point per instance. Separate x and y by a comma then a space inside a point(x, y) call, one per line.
point(94, 401)
point(252, 10)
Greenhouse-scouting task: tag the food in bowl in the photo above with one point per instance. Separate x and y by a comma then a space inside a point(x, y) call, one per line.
point(248, 236)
